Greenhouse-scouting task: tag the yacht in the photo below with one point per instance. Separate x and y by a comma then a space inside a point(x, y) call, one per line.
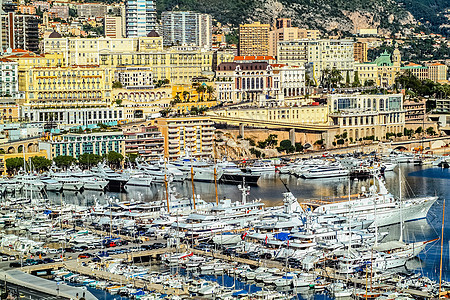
point(51, 184)
point(30, 182)
point(138, 178)
point(261, 166)
point(90, 181)
point(380, 205)
point(201, 170)
point(69, 183)
point(326, 172)
point(115, 180)
point(232, 174)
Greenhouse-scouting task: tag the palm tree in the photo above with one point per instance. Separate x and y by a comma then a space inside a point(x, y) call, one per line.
point(186, 96)
point(210, 91)
point(335, 77)
point(200, 90)
point(326, 77)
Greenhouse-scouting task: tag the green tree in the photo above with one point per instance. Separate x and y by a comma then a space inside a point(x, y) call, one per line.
point(114, 158)
point(347, 79)
point(186, 96)
point(286, 145)
point(335, 77)
point(64, 161)
point(87, 160)
point(14, 164)
point(419, 130)
point(201, 89)
point(298, 147)
point(117, 85)
point(40, 163)
point(356, 82)
point(430, 131)
point(210, 91)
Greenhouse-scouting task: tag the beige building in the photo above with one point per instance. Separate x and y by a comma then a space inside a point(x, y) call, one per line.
point(284, 32)
point(298, 115)
point(189, 135)
point(318, 55)
point(438, 72)
point(254, 39)
point(367, 72)
point(113, 27)
point(367, 115)
point(86, 51)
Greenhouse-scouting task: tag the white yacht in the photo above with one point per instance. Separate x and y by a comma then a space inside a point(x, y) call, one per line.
point(202, 170)
point(326, 172)
point(51, 184)
point(90, 181)
point(30, 182)
point(69, 183)
point(138, 178)
point(262, 166)
point(115, 180)
point(381, 205)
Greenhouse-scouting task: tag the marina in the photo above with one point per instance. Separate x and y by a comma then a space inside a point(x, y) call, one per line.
point(370, 235)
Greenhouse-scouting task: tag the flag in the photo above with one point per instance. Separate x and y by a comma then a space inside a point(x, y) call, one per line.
point(288, 243)
point(265, 241)
point(243, 235)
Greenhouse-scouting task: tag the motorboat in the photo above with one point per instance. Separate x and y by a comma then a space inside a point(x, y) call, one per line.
point(90, 181)
point(232, 174)
point(261, 166)
point(69, 183)
point(115, 180)
point(326, 172)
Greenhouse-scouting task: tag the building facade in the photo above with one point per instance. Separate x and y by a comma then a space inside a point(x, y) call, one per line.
point(363, 116)
point(146, 141)
point(92, 10)
point(140, 17)
point(318, 55)
point(254, 39)
point(360, 52)
point(134, 77)
point(186, 28)
point(113, 27)
point(9, 84)
point(190, 135)
point(19, 32)
point(74, 145)
point(74, 86)
point(415, 110)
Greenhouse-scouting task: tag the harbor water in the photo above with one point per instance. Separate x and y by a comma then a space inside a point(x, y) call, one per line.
point(417, 181)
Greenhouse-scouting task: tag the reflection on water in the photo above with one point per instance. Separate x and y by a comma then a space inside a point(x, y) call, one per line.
point(419, 182)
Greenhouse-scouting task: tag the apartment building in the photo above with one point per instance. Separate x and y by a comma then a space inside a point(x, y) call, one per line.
point(140, 17)
point(189, 135)
point(19, 32)
point(92, 10)
point(254, 39)
point(367, 115)
point(86, 51)
point(146, 141)
point(8, 77)
point(283, 31)
point(318, 55)
point(134, 77)
point(74, 145)
point(186, 28)
point(360, 52)
point(113, 27)
point(415, 110)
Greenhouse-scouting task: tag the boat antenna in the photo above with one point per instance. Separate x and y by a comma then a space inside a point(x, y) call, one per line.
point(285, 185)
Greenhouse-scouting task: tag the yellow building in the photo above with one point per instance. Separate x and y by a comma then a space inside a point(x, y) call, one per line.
point(367, 72)
point(178, 65)
point(254, 39)
point(26, 156)
point(9, 110)
point(298, 115)
point(143, 103)
point(189, 135)
point(73, 86)
point(86, 51)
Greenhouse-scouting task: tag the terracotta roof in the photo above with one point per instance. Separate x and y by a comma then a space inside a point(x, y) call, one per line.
point(254, 58)
point(5, 60)
point(437, 64)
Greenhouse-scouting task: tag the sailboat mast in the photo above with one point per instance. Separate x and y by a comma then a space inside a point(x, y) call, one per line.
point(442, 249)
point(192, 181)
point(165, 184)
point(400, 201)
point(215, 175)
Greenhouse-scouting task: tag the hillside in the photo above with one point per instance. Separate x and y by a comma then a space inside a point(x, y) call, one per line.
point(327, 15)
point(430, 12)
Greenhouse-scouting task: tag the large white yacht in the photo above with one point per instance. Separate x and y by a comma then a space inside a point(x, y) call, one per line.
point(325, 172)
point(115, 180)
point(381, 205)
point(202, 170)
point(90, 181)
point(261, 166)
point(69, 183)
point(30, 182)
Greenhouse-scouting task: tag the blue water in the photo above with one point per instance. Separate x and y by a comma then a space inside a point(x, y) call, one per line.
point(426, 181)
